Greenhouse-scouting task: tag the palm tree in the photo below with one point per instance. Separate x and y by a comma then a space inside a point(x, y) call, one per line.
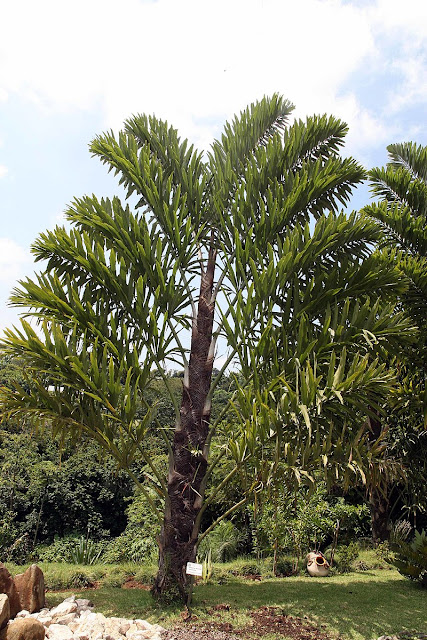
point(402, 215)
point(243, 249)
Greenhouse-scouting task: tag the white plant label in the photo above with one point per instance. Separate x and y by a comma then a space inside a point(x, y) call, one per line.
point(194, 569)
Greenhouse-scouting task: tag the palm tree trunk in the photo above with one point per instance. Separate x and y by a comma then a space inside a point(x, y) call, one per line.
point(188, 461)
point(378, 499)
point(379, 505)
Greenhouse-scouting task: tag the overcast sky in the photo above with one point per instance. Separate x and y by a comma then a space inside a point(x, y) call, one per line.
point(70, 70)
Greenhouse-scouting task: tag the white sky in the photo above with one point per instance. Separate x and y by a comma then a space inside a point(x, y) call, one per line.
point(70, 70)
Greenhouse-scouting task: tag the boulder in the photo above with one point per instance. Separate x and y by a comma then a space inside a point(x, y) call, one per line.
point(4, 610)
point(23, 629)
point(8, 587)
point(30, 587)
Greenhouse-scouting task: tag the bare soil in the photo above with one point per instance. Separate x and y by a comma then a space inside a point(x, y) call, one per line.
point(264, 621)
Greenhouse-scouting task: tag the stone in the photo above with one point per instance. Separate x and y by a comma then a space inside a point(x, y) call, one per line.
point(142, 625)
point(157, 628)
point(122, 625)
point(140, 635)
point(83, 604)
point(8, 587)
point(63, 609)
point(45, 620)
point(30, 587)
point(59, 632)
point(116, 627)
point(4, 610)
point(67, 619)
point(22, 614)
point(132, 629)
point(23, 629)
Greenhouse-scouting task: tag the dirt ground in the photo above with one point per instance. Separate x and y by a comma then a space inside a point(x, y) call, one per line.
point(266, 620)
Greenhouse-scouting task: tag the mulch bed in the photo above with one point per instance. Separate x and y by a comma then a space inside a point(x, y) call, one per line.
point(266, 620)
point(130, 583)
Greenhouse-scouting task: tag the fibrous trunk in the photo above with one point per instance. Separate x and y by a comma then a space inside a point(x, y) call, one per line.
point(378, 499)
point(379, 506)
point(188, 459)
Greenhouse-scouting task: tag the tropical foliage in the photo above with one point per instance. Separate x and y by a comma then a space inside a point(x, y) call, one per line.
point(242, 251)
point(402, 215)
point(411, 557)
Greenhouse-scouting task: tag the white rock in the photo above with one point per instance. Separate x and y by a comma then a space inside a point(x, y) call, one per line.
point(113, 627)
point(140, 635)
point(59, 632)
point(86, 613)
point(45, 620)
point(122, 624)
point(158, 628)
point(22, 614)
point(94, 630)
point(74, 619)
point(63, 609)
point(132, 629)
point(143, 625)
point(83, 604)
point(67, 619)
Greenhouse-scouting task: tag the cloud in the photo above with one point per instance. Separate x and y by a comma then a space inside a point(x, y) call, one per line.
point(15, 263)
point(196, 62)
point(3, 169)
point(14, 260)
point(192, 62)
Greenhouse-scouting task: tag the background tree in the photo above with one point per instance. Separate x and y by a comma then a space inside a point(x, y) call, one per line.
point(243, 247)
point(402, 215)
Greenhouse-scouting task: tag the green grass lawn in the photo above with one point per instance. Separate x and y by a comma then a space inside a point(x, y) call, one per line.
point(360, 605)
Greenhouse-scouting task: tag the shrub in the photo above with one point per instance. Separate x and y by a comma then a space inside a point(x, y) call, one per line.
point(131, 546)
point(284, 567)
point(58, 551)
point(80, 580)
point(411, 558)
point(73, 549)
point(222, 542)
point(86, 551)
point(347, 555)
point(250, 569)
point(383, 551)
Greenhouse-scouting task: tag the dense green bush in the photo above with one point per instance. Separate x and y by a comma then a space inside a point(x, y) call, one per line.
point(73, 549)
point(309, 522)
point(411, 558)
point(250, 569)
point(347, 556)
point(86, 551)
point(284, 567)
point(47, 493)
point(223, 542)
point(138, 542)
